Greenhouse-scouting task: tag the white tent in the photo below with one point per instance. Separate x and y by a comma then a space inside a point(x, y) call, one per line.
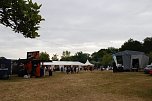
point(88, 63)
point(67, 63)
point(62, 64)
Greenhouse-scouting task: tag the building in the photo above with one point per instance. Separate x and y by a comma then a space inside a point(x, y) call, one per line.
point(131, 60)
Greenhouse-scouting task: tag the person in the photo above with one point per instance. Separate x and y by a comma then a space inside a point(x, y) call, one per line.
point(77, 70)
point(68, 70)
point(44, 70)
point(50, 71)
point(61, 69)
point(114, 67)
point(101, 68)
point(71, 69)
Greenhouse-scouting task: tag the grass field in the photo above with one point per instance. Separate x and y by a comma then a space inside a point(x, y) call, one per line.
point(85, 86)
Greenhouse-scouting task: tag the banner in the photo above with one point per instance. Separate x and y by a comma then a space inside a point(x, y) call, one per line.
point(33, 55)
point(115, 59)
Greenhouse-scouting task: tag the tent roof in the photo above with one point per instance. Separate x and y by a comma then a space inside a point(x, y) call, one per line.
point(63, 63)
point(128, 52)
point(88, 63)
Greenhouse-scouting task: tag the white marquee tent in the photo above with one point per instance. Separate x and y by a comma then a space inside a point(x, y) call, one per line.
point(88, 63)
point(62, 64)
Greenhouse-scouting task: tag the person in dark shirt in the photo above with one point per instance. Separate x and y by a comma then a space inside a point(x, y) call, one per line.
point(114, 67)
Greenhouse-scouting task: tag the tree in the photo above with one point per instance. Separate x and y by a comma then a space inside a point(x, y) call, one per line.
point(106, 60)
point(65, 56)
point(97, 56)
point(81, 57)
point(22, 16)
point(112, 50)
point(147, 45)
point(44, 56)
point(150, 57)
point(55, 57)
point(131, 45)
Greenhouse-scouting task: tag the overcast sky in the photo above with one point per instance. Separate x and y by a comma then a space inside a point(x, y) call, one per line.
point(81, 25)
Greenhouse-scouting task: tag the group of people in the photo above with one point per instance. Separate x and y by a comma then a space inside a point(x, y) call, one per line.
point(86, 68)
point(49, 69)
point(69, 69)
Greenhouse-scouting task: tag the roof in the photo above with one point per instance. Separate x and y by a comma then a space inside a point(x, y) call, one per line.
point(63, 63)
point(88, 63)
point(129, 52)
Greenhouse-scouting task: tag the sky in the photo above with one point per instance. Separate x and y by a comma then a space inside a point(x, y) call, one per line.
point(81, 25)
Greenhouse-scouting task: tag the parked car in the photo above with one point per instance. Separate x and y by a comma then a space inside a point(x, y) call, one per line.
point(150, 72)
point(147, 69)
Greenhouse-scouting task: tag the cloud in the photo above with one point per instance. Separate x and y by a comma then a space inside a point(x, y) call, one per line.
point(82, 25)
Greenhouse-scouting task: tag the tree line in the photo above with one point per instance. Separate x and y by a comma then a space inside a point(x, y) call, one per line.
point(104, 56)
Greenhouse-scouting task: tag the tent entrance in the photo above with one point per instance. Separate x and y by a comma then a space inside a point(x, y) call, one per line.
point(119, 60)
point(135, 64)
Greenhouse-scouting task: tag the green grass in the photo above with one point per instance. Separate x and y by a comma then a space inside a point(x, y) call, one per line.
point(85, 86)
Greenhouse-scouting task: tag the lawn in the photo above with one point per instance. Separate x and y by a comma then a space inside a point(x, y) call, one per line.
point(85, 86)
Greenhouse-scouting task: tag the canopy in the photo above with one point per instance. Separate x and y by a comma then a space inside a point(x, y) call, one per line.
point(72, 63)
point(88, 63)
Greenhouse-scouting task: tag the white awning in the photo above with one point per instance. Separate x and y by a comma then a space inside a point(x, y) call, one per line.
point(70, 63)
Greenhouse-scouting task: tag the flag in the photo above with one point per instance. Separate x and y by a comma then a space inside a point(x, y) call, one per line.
point(114, 58)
